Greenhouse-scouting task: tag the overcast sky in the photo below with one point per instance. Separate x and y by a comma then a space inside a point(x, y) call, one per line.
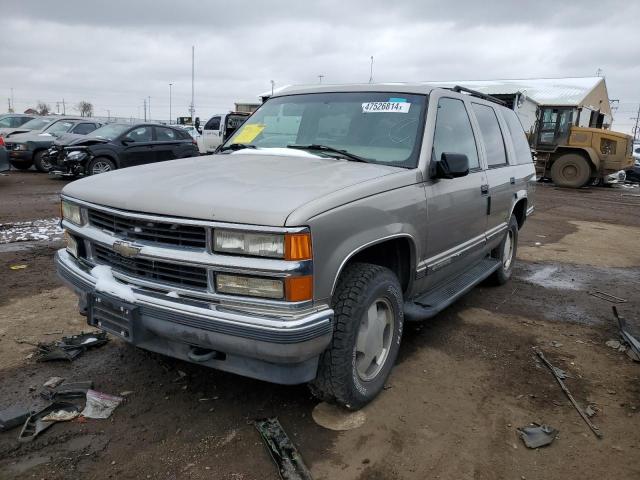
point(115, 53)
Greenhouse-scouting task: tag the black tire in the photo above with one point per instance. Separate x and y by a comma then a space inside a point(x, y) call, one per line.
point(41, 161)
point(503, 274)
point(95, 163)
point(361, 287)
point(21, 165)
point(571, 170)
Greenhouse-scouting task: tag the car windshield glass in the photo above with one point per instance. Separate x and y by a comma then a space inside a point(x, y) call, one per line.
point(108, 132)
point(378, 127)
point(37, 123)
point(59, 127)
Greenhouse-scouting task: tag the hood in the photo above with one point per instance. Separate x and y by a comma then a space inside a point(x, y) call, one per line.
point(252, 188)
point(69, 139)
point(83, 141)
point(31, 136)
point(5, 132)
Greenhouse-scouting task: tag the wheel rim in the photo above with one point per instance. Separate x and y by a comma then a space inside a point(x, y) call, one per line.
point(570, 172)
point(507, 250)
point(46, 164)
point(100, 167)
point(374, 339)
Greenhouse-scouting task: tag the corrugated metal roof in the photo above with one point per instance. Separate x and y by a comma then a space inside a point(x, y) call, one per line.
point(545, 91)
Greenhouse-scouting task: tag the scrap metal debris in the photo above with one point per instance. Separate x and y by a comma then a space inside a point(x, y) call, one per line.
point(69, 348)
point(537, 436)
point(100, 405)
point(12, 417)
point(634, 345)
point(566, 391)
point(282, 450)
point(68, 391)
point(36, 424)
point(61, 416)
point(53, 382)
point(607, 296)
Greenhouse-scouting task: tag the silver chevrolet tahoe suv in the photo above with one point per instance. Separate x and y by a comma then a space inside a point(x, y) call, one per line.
point(297, 251)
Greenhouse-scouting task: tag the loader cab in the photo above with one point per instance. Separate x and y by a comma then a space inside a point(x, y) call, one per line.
point(553, 127)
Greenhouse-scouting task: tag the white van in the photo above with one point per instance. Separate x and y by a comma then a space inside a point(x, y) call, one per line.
point(218, 128)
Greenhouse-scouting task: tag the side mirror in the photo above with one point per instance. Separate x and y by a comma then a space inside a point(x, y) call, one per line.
point(452, 165)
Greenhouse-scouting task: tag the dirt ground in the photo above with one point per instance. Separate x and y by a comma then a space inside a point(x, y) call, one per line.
point(463, 383)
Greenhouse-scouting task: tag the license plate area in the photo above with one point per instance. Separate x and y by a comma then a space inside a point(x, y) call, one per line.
point(113, 315)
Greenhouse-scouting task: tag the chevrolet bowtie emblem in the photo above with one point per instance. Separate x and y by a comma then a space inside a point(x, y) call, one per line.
point(126, 249)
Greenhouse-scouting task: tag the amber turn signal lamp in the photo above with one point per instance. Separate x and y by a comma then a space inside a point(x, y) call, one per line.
point(297, 246)
point(299, 288)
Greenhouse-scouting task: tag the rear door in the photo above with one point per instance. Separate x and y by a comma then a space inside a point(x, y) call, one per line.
point(500, 176)
point(456, 208)
point(167, 144)
point(212, 133)
point(139, 148)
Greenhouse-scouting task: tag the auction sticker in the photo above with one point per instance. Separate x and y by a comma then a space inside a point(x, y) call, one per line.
point(386, 107)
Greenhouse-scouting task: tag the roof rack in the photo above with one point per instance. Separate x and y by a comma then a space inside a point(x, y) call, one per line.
point(475, 93)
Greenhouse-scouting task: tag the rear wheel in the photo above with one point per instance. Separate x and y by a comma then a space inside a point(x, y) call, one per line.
point(367, 332)
point(41, 161)
point(571, 170)
point(100, 165)
point(506, 253)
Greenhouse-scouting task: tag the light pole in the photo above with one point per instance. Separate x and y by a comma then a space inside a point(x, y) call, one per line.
point(371, 75)
point(272, 85)
point(170, 116)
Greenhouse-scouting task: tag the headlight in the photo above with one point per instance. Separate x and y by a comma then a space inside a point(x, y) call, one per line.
point(250, 286)
point(20, 146)
point(244, 243)
point(76, 155)
point(290, 246)
point(71, 212)
point(72, 244)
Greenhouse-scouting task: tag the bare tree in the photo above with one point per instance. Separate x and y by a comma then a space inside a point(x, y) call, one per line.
point(85, 108)
point(42, 108)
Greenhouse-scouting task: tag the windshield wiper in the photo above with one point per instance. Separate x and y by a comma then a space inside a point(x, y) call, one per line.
point(237, 146)
point(325, 148)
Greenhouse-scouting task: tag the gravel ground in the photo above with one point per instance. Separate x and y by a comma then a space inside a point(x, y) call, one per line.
point(463, 383)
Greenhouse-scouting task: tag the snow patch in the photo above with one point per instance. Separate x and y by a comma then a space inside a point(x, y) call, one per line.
point(281, 152)
point(173, 294)
point(106, 283)
point(47, 229)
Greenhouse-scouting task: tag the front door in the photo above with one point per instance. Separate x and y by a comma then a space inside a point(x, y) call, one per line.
point(457, 207)
point(138, 148)
point(212, 133)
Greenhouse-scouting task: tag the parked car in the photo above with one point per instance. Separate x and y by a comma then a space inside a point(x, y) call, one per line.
point(218, 129)
point(195, 134)
point(296, 253)
point(633, 174)
point(11, 121)
point(119, 145)
point(35, 124)
point(27, 149)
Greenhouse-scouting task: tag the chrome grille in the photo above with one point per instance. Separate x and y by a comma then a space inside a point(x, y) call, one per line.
point(153, 270)
point(149, 231)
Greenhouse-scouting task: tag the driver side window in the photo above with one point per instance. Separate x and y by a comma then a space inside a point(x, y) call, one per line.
point(453, 133)
point(142, 134)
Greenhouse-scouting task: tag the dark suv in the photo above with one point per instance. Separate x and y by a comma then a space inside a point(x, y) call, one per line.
point(120, 145)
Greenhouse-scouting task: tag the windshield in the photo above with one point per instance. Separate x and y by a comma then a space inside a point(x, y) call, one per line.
point(59, 127)
point(375, 126)
point(37, 123)
point(108, 132)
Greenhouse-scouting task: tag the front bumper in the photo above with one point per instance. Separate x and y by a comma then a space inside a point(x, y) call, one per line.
point(264, 347)
point(21, 155)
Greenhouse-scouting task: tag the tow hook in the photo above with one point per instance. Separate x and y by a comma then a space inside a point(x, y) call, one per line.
point(199, 354)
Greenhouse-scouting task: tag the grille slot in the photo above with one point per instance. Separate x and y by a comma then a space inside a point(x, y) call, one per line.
point(153, 270)
point(149, 231)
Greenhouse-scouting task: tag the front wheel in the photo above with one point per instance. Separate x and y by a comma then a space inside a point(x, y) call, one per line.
point(100, 165)
point(571, 170)
point(505, 253)
point(41, 161)
point(368, 321)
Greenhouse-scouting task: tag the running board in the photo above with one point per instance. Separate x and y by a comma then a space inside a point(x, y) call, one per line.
point(433, 302)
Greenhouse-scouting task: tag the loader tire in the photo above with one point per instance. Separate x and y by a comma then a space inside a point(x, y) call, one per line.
point(571, 171)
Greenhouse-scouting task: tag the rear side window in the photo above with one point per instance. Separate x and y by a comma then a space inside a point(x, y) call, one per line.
point(213, 124)
point(453, 133)
point(165, 134)
point(491, 135)
point(518, 137)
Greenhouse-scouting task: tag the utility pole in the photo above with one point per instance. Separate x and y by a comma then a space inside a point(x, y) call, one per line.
point(149, 107)
point(635, 128)
point(57, 107)
point(9, 102)
point(272, 85)
point(170, 116)
point(64, 107)
point(13, 105)
point(192, 107)
point(320, 77)
point(371, 74)
point(145, 109)
point(108, 115)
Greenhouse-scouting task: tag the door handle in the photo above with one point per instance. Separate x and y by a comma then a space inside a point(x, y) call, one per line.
point(484, 189)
